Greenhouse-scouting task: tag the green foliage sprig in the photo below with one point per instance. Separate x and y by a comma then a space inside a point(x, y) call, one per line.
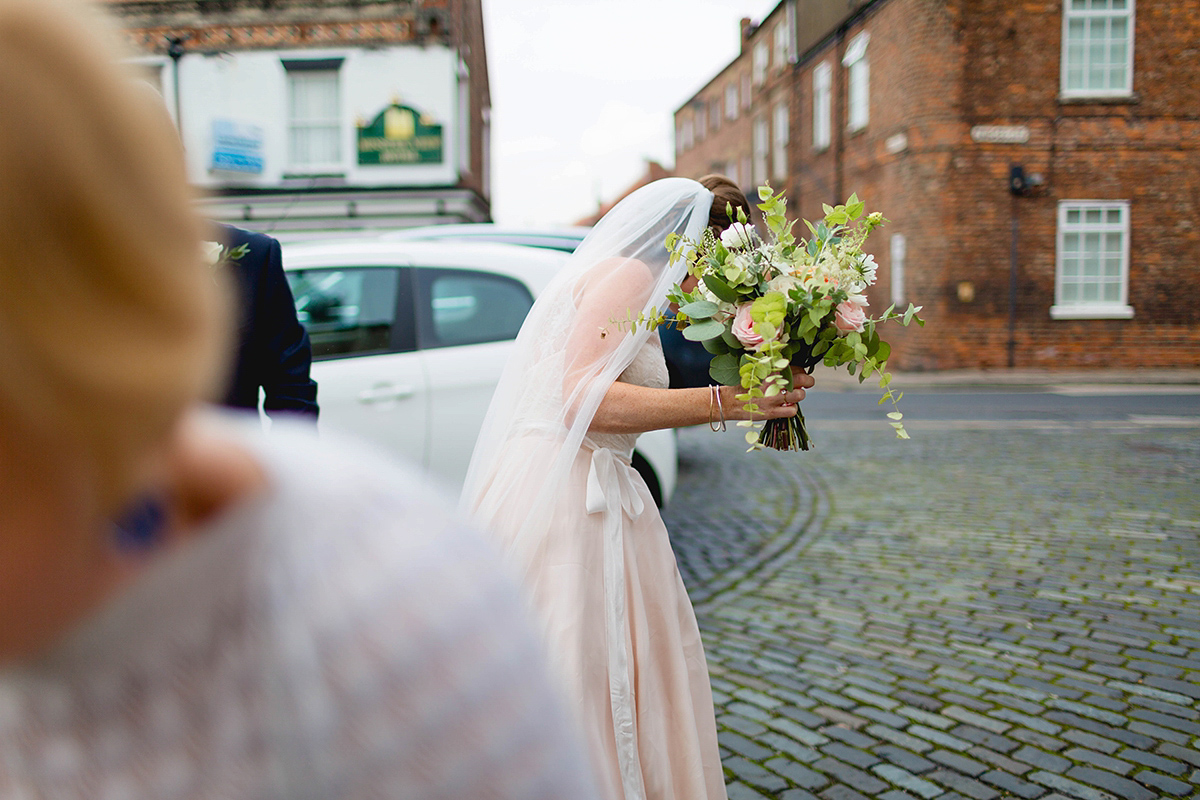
point(794, 290)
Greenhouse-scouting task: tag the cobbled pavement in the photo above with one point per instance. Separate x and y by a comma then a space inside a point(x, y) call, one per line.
point(975, 613)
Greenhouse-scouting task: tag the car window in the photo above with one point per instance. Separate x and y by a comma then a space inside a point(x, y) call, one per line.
point(347, 311)
point(466, 307)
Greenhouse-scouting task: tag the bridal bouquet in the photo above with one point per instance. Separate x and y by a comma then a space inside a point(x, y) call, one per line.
point(762, 306)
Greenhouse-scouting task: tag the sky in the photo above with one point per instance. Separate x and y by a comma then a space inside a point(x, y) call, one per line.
point(584, 91)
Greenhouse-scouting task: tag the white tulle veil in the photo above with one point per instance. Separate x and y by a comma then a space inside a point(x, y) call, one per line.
point(576, 341)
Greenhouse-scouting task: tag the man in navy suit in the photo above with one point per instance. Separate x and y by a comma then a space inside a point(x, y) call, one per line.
point(273, 351)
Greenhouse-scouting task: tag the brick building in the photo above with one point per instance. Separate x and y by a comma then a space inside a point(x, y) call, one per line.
point(305, 117)
point(925, 107)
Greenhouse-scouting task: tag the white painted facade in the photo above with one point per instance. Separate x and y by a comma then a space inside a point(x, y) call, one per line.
point(249, 91)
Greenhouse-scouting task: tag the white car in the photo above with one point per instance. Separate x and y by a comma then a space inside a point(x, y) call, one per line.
point(409, 339)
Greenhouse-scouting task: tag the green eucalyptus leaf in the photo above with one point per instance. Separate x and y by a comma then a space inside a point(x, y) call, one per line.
point(699, 331)
point(721, 289)
point(725, 370)
point(700, 309)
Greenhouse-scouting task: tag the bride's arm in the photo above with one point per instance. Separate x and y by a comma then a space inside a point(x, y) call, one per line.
point(628, 408)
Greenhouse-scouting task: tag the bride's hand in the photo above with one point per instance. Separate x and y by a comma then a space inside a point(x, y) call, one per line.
point(780, 405)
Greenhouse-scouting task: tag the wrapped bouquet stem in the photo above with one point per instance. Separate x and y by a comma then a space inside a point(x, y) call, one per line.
point(762, 306)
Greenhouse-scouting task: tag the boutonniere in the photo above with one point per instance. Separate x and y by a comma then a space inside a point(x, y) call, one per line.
point(216, 253)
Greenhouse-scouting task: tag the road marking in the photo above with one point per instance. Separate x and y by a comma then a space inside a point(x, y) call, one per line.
point(1103, 389)
point(1133, 423)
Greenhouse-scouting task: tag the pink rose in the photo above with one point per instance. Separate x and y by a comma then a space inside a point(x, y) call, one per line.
point(743, 327)
point(849, 317)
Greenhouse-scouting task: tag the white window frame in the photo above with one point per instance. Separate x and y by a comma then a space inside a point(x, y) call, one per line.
point(762, 149)
point(1099, 308)
point(898, 246)
point(781, 45)
point(762, 55)
point(731, 101)
point(332, 122)
point(822, 106)
point(858, 82)
point(1088, 17)
point(779, 141)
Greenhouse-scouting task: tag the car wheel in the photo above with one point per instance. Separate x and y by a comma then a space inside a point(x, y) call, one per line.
point(647, 473)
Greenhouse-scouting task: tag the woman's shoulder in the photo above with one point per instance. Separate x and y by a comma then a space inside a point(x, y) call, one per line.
point(356, 512)
point(329, 476)
point(334, 517)
point(349, 599)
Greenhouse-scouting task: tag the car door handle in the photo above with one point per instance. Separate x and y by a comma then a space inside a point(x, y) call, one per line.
point(385, 392)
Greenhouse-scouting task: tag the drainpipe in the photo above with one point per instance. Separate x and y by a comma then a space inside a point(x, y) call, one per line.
point(175, 51)
point(838, 112)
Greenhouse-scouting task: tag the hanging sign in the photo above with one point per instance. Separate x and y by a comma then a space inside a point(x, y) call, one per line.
point(1000, 134)
point(237, 147)
point(400, 135)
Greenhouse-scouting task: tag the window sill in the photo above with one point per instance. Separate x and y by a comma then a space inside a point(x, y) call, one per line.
point(1097, 311)
point(1130, 99)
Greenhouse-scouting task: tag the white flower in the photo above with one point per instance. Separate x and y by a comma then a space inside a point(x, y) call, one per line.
point(783, 283)
point(857, 299)
point(868, 268)
point(735, 236)
point(211, 252)
point(706, 294)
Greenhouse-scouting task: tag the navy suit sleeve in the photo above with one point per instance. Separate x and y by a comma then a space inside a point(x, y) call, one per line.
point(287, 355)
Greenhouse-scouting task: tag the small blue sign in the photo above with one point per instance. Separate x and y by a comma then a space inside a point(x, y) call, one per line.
point(237, 147)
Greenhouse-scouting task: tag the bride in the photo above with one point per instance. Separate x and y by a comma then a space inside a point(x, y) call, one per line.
point(551, 477)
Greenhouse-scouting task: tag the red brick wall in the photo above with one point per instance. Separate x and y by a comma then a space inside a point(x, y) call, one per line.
point(938, 67)
point(1146, 152)
point(915, 93)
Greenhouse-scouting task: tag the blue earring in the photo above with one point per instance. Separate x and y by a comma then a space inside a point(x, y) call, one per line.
point(140, 526)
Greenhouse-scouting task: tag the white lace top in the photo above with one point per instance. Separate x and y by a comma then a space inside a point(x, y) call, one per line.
point(342, 637)
point(648, 368)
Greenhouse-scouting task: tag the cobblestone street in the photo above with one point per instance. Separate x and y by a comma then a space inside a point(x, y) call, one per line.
point(977, 613)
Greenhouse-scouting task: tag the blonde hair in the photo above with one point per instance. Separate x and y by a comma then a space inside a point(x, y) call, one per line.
point(110, 322)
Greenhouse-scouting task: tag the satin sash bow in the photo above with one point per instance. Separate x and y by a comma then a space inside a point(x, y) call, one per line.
point(611, 491)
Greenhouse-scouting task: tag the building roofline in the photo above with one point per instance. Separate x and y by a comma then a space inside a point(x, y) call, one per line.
point(867, 8)
point(862, 12)
point(736, 59)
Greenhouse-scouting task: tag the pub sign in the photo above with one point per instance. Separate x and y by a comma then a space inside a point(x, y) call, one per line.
point(400, 135)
